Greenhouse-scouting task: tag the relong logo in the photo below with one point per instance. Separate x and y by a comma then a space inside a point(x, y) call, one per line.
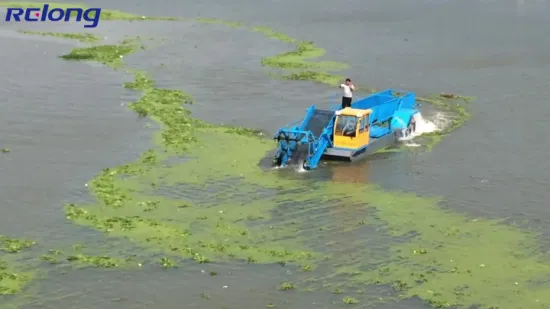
point(90, 15)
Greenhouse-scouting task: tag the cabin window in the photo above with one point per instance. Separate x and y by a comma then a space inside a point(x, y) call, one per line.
point(346, 126)
point(364, 124)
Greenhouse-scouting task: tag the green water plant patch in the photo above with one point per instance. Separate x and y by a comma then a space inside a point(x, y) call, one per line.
point(438, 256)
point(81, 259)
point(110, 55)
point(12, 245)
point(12, 281)
point(297, 59)
point(211, 207)
point(434, 264)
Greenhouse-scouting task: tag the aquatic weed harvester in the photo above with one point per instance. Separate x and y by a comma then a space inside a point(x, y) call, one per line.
point(370, 124)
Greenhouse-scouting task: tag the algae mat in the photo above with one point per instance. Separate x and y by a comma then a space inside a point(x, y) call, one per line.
point(184, 199)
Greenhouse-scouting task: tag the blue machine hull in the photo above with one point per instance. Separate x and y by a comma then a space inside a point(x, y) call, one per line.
point(346, 154)
point(391, 113)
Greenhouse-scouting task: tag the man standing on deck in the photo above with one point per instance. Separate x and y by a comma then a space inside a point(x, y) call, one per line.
point(348, 93)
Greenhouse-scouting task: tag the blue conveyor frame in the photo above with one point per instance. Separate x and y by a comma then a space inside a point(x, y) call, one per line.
point(295, 134)
point(391, 105)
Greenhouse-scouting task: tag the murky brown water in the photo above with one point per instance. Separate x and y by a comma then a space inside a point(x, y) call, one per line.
point(65, 121)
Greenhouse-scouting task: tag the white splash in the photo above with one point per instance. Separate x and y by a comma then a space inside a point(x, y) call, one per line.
point(424, 126)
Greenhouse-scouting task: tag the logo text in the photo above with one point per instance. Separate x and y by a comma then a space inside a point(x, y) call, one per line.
point(90, 15)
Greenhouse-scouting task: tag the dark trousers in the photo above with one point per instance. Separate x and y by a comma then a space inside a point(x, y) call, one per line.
point(346, 102)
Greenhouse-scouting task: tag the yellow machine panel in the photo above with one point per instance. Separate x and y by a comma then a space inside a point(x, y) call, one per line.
point(351, 128)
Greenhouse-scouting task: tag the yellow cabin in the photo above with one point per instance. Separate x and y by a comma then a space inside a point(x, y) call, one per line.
point(351, 128)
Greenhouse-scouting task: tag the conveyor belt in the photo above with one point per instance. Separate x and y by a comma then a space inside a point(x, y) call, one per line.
point(319, 121)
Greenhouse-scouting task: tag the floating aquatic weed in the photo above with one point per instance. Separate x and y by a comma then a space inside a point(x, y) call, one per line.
point(5, 150)
point(52, 257)
point(313, 76)
point(446, 274)
point(82, 37)
point(297, 59)
point(166, 106)
point(12, 281)
point(167, 263)
point(270, 33)
point(443, 273)
point(175, 239)
point(81, 259)
point(95, 261)
point(141, 82)
point(13, 245)
point(109, 55)
point(104, 186)
point(285, 286)
point(350, 300)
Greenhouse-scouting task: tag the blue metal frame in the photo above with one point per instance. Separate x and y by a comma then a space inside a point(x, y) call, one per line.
point(293, 135)
point(391, 105)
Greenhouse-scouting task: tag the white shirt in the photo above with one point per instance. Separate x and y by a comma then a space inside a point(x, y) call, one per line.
point(347, 90)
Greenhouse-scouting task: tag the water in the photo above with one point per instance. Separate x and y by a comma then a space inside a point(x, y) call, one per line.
point(65, 121)
point(437, 123)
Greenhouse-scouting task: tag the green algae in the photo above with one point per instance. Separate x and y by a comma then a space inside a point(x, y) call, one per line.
point(350, 300)
point(114, 218)
point(446, 260)
point(447, 263)
point(167, 263)
point(446, 236)
point(318, 77)
point(141, 82)
point(11, 280)
point(82, 37)
point(286, 286)
point(110, 55)
point(80, 259)
point(270, 33)
point(166, 107)
point(12, 245)
point(97, 261)
point(296, 59)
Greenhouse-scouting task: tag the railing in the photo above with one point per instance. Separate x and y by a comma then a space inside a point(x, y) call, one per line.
point(335, 105)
